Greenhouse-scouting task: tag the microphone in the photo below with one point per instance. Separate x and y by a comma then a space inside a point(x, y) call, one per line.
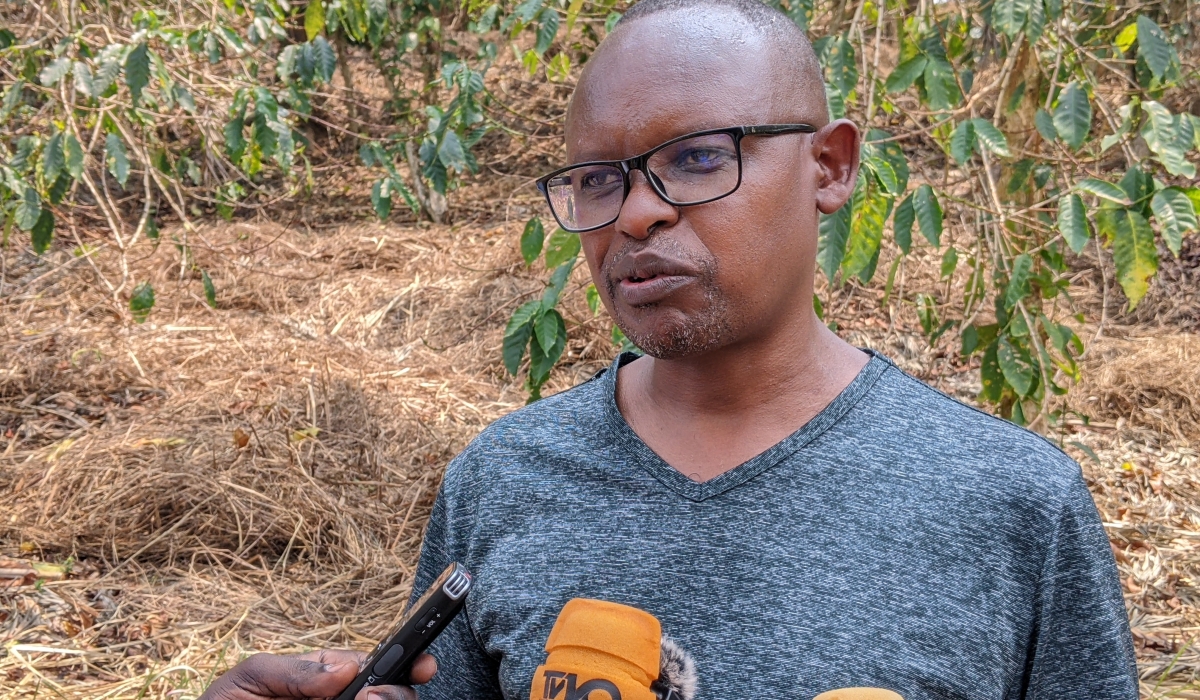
point(599, 650)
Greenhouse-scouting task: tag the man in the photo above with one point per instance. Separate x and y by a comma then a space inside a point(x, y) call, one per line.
point(799, 514)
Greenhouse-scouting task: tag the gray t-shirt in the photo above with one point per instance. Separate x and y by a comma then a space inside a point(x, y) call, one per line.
point(900, 539)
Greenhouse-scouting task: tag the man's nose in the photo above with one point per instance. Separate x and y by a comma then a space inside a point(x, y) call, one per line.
point(644, 210)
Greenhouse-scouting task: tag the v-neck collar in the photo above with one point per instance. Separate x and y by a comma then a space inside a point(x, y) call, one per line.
point(640, 453)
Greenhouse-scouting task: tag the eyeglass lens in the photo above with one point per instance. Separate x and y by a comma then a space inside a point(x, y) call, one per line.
point(688, 172)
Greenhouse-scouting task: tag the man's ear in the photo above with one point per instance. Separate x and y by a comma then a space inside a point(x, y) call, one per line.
point(835, 148)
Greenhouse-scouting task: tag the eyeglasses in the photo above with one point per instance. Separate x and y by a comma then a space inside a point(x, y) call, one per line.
point(692, 169)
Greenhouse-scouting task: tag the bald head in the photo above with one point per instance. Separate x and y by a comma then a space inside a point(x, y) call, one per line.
point(707, 45)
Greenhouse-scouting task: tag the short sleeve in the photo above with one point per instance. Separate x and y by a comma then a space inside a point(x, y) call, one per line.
point(464, 669)
point(1082, 647)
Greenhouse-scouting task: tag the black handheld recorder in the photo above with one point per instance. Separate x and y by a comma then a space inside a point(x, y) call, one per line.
point(391, 661)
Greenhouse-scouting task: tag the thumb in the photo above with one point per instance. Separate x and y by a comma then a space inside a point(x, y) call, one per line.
point(270, 676)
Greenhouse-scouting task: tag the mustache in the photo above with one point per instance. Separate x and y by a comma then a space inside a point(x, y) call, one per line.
point(656, 255)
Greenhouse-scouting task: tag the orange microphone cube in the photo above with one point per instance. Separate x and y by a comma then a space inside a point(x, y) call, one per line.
point(599, 651)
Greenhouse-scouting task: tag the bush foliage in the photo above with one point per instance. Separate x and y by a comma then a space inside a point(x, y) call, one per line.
point(1053, 127)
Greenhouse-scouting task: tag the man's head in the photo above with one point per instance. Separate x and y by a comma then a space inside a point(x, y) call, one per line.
point(682, 280)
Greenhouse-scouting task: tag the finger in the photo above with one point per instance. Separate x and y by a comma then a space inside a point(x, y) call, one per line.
point(386, 692)
point(336, 657)
point(291, 676)
point(423, 669)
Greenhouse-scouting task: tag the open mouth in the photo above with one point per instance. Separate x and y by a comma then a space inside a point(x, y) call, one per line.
point(638, 280)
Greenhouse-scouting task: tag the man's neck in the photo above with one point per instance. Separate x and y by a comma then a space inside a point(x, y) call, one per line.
point(708, 413)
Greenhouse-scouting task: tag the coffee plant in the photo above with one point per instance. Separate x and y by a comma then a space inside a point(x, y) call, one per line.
point(1011, 138)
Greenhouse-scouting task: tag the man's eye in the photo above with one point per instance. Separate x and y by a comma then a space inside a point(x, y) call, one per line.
point(702, 159)
point(598, 180)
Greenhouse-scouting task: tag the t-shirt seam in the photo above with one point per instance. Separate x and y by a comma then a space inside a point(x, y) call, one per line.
point(976, 409)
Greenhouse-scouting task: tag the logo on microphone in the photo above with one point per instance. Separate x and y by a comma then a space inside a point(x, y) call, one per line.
point(565, 686)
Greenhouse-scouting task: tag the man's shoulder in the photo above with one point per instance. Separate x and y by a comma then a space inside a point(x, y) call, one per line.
point(967, 442)
point(562, 422)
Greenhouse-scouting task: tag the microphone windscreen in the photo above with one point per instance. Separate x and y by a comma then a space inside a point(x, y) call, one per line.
point(599, 651)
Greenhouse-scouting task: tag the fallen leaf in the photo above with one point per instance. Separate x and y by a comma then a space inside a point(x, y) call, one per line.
point(240, 438)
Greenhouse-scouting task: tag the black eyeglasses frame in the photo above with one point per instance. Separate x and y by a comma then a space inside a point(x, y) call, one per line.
point(638, 162)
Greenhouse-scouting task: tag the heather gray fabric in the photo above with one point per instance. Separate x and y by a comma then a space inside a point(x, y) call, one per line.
point(900, 539)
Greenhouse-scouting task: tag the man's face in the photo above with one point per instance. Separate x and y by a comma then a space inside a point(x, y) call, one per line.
point(681, 280)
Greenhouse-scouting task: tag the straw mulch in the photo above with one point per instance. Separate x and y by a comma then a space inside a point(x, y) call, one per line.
point(256, 477)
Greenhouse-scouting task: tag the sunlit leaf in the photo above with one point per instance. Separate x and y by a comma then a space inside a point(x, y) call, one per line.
point(314, 18)
point(381, 197)
point(1176, 215)
point(546, 328)
point(962, 141)
point(992, 138)
point(1103, 190)
point(1045, 125)
point(532, 239)
point(326, 59)
point(55, 71)
point(1008, 16)
point(867, 218)
point(1134, 253)
point(562, 247)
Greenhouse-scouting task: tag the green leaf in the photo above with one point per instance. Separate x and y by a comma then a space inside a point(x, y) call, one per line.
point(42, 232)
point(55, 71)
point(326, 59)
point(381, 198)
point(561, 248)
point(949, 261)
point(1072, 222)
point(517, 334)
point(1126, 37)
point(141, 302)
point(906, 73)
point(840, 66)
point(1045, 125)
point(451, 152)
point(1170, 137)
point(1008, 16)
point(12, 97)
point(1073, 115)
point(106, 75)
point(832, 234)
point(593, 299)
point(1103, 190)
point(28, 209)
point(210, 290)
point(53, 160)
point(990, 374)
point(1176, 215)
point(546, 328)
point(84, 82)
point(929, 214)
point(235, 142)
point(1020, 175)
point(532, 239)
point(962, 141)
point(1138, 186)
point(547, 31)
point(314, 19)
point(137, 71)
point(1018, 283)
point(74, 156)
point(558, 281)
point(1135, 254)
point(541, 358)
point(1016, 365)
point(902, 223)
point(118, 163)
point(868, 215)
point(58, 190)
point(992, 138)
point(884, 173)
point(1153, 47)
point(940, 86)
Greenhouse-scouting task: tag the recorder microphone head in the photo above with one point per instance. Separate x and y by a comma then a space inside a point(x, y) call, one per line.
point(606, 651)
